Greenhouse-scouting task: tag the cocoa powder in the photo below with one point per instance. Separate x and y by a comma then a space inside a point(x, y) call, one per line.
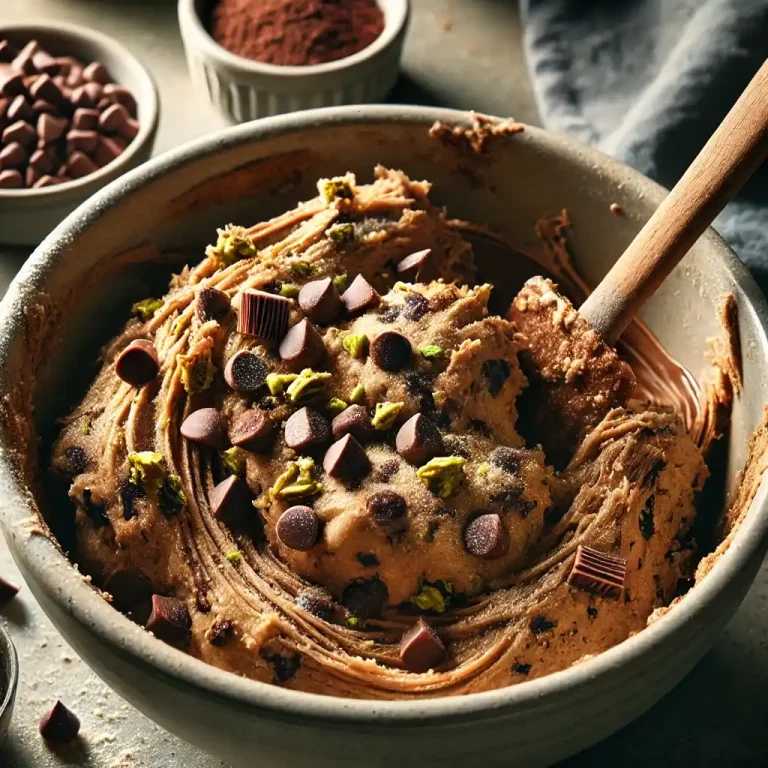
point(296, 32)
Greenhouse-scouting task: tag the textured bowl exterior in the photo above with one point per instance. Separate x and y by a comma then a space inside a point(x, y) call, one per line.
point(244, 90)
point(9, 680)
point(28, 215)
point(180, 198)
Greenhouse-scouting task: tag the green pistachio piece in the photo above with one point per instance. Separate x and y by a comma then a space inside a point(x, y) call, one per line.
point(197, 371)
point(331, 189)
point(277, 383)
point(289, 290)
point(147, 468)
point(431, 352)
point(302, 269)
point(352, 621)
point(357, 396)
point(341, 233)
point(172, 497)
point(297, 481)
point(146, 308)
point(234, 460)
point(385, 415)
point(483, 469)
point(309, 385)
point(235, 557)
point(231, 246)
point(442, 475)
point(336, 406)
point(86, 427)
point(340, 281)
point(180, 324)
point(356, 344)
point(433, 596)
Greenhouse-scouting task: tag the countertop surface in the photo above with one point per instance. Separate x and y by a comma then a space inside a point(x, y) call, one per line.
point(460, 54)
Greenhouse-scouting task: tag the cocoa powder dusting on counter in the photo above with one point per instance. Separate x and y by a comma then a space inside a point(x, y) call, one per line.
point(296, 32)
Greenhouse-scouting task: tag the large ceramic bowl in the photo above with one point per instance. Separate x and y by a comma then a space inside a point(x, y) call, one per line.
point(121, 243)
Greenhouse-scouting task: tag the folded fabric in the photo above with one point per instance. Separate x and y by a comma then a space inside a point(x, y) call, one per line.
point(648, 81)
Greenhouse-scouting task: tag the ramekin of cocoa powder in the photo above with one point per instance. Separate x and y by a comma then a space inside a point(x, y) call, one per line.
point(254, 58)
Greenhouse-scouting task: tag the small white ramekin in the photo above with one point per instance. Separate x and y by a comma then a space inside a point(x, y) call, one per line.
point(244, 90)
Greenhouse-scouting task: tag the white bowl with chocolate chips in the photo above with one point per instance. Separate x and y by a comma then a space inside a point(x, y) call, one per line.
point(335, 499)
point(76, 111)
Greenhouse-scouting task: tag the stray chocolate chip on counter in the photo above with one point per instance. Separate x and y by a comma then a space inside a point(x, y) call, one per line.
point(60, 725)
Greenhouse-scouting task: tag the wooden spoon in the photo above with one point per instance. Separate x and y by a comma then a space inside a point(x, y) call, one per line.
point(734, 152)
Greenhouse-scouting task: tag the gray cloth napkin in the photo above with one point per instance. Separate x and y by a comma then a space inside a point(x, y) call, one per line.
point(648, 81)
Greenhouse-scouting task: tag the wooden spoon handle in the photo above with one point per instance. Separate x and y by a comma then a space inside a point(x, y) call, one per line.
point(729, 158)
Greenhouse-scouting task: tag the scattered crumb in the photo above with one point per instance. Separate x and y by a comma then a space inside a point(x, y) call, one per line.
point(617, 209)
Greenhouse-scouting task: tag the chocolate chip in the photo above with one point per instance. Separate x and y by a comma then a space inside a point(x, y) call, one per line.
point(13, 156)
point(419, 440)
point(421, 649)
point(7, 591)
point(128, 588)
point(75, 460)
point(45, 89)
point(360, 296)
point(48, 181)
point(391, 351)
point(211, 304)
point(129, 492)
point(170, 620)
point(20, 132)
point(85, 119)
point(11, 81)
point(231, 500)
point(320, 301)
point(418, 267)
point(106, 151)
point(245, 372)
point(41, 107)
point(598, 573)
point(507, 458)
point(50, 128)
point(302, 346)
point(317, 601)
point(120, 95)
point(41, 161)
point(298, 528)
point(11, 179)
point(96, 72)
point(353, 421)
point(495, 373)
point(44, 62)
point(365, 598)
point(80, 165)
point(85, 141)
point(306, 429)
point(521, 669)
point(7, 51)
point(346, 460)
point(254, 431)
point(416, 306)
point(388, 510)
point(206, 426)
point(24, 60)
point(219, 633)
point(60, 725)
point(540, 624)
point(486, 537)
point(138, 363)
point(20, 109)
point(283, 667)
point(113, 117)
point(367, 559)
point(129, 129)
point(263, 315)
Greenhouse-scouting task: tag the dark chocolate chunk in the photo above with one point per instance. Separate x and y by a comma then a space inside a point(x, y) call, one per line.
point(388, 510)
point(43, 162)
point(138, 363)
point(540, 624)
point(420, 648)
point(128, 588)
point(11, 81)
point(120, 95)
point(646, 521)
point(129, 492)
point(367, 559)
point(306, 429)
point(60, 725)
point(486, 537)
point(20, 132)
point(113, 117)
point(283, 667)
point(231, 500)
point(263, 315)
point(129, 130)
point(245, 372)
point(418, 267)
point(391, 351)
point(7, 591)
point(419, 440)
point(298, 528)
point(82, 140)
point(211, 304)
point(50, 128)
point(365, 598)
point(521, 669)
point(254, 431)
point(24, 60)
point(507, 458)
point(302, 346)
point(13, 156)
point(75, 460)
point(346, 460)
point(41, 107)
point(20, 109)
point(85, 119)
point(96, 72)
point(170, 620)
point(207, 426)
point(220, 632)
point(598, 573)
point(416, 306)
point(317, 601)
point(106, 151)
point(360, 296)
point(11, 179)
point(320, 301)
point(495, 373)
point(45, 89)
point(354, 421)
point(79, 165)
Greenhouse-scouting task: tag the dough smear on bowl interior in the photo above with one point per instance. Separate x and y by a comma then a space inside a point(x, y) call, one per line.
point(303, 463)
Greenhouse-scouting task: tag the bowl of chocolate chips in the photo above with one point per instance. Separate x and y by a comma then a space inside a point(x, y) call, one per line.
point(76, 111)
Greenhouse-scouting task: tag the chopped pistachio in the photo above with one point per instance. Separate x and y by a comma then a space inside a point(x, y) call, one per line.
point(356, 344)
point(433, 596)
point(180, 324)
point(302, 269)
point(231, 246)
point(86, 427)
point(483, 469)
point(336, 406)
point(268, 403)
point(442, 475)
point(172, 497)
point(297, 481)
point(340, 281)
point(352, 621)
point(146, 308)
point(197, 371)
point(234, 460)
point(309, 385)
point(331, 189)
point(289, 290)
point(235, 557)
point(341, 233)
point(385, 415)
point(277, 383)
point(147, 468)
point(357, 396)
point(431, 352)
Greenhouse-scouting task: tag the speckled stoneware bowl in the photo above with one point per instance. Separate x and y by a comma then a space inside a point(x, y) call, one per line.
point(121, 244)
point(9, 680)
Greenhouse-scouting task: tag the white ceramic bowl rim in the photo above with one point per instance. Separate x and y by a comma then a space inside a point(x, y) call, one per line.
point(150, 107)
point(10, 665)
point(72, 595)
point(393, 25)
